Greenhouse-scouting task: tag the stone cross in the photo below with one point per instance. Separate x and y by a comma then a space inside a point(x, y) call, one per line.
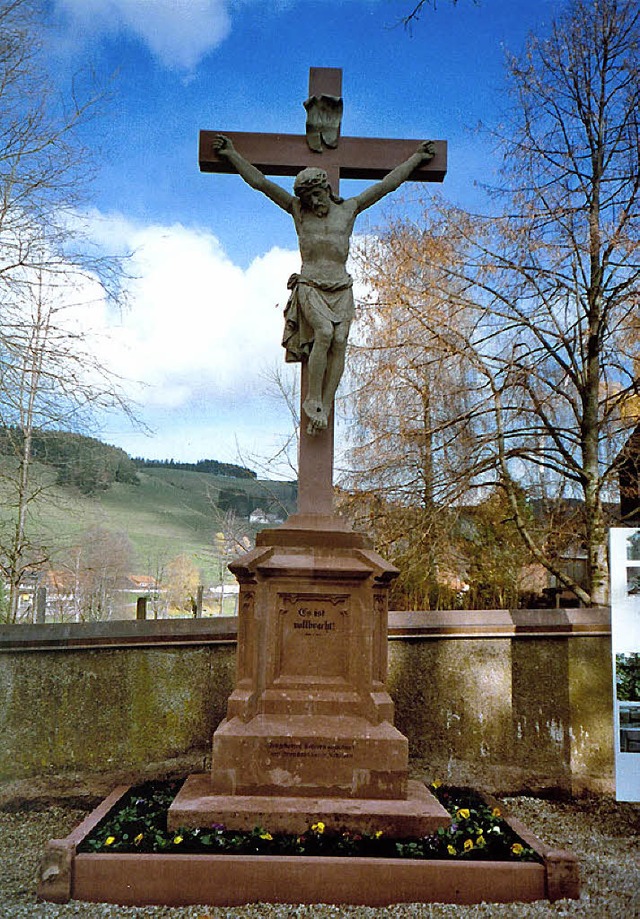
point(347, 157)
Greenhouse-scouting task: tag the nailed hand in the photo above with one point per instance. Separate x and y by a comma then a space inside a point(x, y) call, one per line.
point(428, 150)
point(221, 144)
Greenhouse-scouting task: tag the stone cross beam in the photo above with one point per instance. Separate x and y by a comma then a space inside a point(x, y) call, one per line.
point(369, 158)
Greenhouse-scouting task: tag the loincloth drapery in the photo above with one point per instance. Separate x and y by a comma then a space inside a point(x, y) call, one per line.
point(330, 301)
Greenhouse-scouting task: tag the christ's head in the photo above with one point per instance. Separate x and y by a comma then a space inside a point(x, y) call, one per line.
point(312, 187)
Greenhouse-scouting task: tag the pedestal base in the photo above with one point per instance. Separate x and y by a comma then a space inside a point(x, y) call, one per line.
point(310, 755)
point(310, 714)
point(197, 805)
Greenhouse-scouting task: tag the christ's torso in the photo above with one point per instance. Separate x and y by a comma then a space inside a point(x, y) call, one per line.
point(324, 241)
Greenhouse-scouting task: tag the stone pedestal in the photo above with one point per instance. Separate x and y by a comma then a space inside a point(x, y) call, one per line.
point(310, 717)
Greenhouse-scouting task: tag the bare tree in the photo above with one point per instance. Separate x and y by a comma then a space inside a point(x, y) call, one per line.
point(182, 578)
point(96, 571)
point(399, 438)
point(49, 379)
point(282, 387)
point(44, 168)
point(563, 280)
point(550, 289)
point(412, 392)
point(48, 375)
point(421, 463)
point(415, 10)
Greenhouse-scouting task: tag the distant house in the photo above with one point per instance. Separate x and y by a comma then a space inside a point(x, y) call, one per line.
point(628, 463)
point(572, 562)
point(259, 516)
point(141, 583)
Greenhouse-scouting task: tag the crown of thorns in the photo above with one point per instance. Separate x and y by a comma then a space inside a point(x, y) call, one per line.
point(309, 178)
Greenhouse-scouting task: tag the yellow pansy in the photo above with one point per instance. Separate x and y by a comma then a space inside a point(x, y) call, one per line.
point(109, 841)
point(139, 838)
point(266, 836)
point(468, 845)
point(463, 813)
point(451, 850)
point(177, 840)
point(318, 827)
point(378, 834)
point(436, 783)
point(496, 812)
point(481, 841)
point(517, 849)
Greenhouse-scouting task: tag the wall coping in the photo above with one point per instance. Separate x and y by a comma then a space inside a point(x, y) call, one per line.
point(118, 633)
point(223, 630)
point(501, 623)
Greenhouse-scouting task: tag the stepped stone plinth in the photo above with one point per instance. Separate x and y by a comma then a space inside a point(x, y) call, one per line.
point(309, 728)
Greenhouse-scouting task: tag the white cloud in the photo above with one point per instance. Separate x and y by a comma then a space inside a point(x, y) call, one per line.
point(177, 32)
point(198, 329)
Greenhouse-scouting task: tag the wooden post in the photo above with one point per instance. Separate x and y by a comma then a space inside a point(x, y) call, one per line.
point(41, 604)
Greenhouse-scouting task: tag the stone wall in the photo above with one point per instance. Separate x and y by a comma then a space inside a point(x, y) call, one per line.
point(507, 701)
point(498, 699)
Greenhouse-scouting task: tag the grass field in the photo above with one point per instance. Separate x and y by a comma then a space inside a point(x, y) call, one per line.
point(171, 512)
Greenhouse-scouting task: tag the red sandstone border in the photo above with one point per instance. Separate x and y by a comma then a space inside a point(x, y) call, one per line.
point(232, 880)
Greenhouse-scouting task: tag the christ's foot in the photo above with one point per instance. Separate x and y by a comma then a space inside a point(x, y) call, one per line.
point(314, 410)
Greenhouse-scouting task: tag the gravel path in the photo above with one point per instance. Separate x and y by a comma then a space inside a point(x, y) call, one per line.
point(603, 834)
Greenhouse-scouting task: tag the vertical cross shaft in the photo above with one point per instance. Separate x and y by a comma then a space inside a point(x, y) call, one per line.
point(315, 459)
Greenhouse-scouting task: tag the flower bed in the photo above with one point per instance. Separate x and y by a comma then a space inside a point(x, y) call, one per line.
point(139, 824)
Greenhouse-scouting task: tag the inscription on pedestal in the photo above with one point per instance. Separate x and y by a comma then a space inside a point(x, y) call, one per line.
point(310, 750)
point(313, 635)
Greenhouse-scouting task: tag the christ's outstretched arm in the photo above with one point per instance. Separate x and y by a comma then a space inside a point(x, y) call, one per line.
point(251, 174)
point(394, 179)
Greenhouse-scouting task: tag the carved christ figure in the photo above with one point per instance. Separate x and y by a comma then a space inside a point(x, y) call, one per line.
point(320, 310)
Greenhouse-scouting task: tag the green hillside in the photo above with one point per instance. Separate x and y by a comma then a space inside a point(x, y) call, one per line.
point(164, 512)
point(174, 512)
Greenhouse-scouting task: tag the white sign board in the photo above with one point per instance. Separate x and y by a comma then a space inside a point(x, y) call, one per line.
point(625, 644)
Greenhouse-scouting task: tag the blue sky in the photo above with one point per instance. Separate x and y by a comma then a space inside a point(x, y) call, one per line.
point(211, 257)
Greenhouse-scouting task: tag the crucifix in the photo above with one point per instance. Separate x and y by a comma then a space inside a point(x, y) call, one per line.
point(309, 725)
point(320, 309)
